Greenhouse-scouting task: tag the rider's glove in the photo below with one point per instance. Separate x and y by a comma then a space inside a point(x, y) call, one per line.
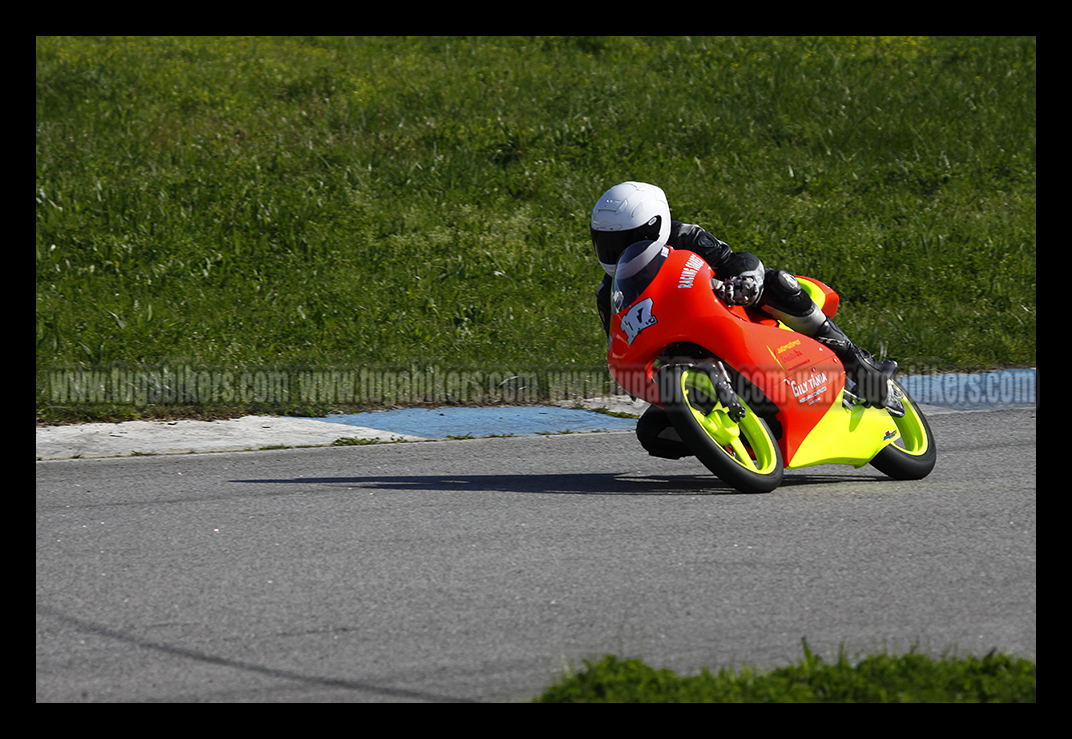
point(739, 290)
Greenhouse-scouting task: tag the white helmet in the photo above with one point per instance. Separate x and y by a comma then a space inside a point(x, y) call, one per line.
point(625, 214)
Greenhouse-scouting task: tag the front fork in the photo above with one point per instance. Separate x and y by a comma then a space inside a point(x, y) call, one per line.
point(726, 394)
point(723, 386)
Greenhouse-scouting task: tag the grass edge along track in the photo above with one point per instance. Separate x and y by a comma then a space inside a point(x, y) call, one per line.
point(912, 677)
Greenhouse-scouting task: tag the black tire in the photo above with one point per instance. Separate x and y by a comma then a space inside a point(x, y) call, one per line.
point(744, 453)
point(913, 455)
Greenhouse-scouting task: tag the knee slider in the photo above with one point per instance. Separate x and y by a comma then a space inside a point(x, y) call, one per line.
point(787, 284)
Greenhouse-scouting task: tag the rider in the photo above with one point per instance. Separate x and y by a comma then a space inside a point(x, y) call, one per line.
point(637, 211)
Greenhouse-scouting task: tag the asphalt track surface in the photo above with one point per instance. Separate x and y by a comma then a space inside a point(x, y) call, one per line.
point(477, 570)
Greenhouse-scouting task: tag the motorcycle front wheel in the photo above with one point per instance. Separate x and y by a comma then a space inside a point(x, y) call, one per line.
point(741, 453)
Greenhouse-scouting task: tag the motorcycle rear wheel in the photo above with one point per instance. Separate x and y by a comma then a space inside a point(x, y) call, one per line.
point(741, 453)
point(913, 455)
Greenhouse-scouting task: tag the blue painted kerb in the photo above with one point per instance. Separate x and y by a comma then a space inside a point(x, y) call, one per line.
point(439, 423)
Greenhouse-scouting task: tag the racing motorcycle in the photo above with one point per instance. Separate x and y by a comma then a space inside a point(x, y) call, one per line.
point(748, 396)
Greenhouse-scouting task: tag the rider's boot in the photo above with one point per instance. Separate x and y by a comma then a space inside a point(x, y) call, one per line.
point(872, 380)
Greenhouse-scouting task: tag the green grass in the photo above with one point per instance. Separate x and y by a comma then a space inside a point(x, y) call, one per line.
point(230, 203)
point(883, 678)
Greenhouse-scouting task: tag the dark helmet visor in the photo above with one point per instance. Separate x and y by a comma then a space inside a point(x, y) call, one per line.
point(610, 244)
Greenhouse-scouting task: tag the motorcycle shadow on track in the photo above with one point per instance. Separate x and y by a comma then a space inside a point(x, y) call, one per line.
point(567, 484)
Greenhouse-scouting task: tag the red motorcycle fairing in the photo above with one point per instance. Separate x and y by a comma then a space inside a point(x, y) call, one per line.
point(802, 378)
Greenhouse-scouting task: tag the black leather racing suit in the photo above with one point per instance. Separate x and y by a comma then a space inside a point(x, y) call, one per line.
point(781, 298)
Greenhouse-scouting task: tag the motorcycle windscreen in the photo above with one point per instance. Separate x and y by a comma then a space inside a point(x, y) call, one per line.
point(637, 267)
